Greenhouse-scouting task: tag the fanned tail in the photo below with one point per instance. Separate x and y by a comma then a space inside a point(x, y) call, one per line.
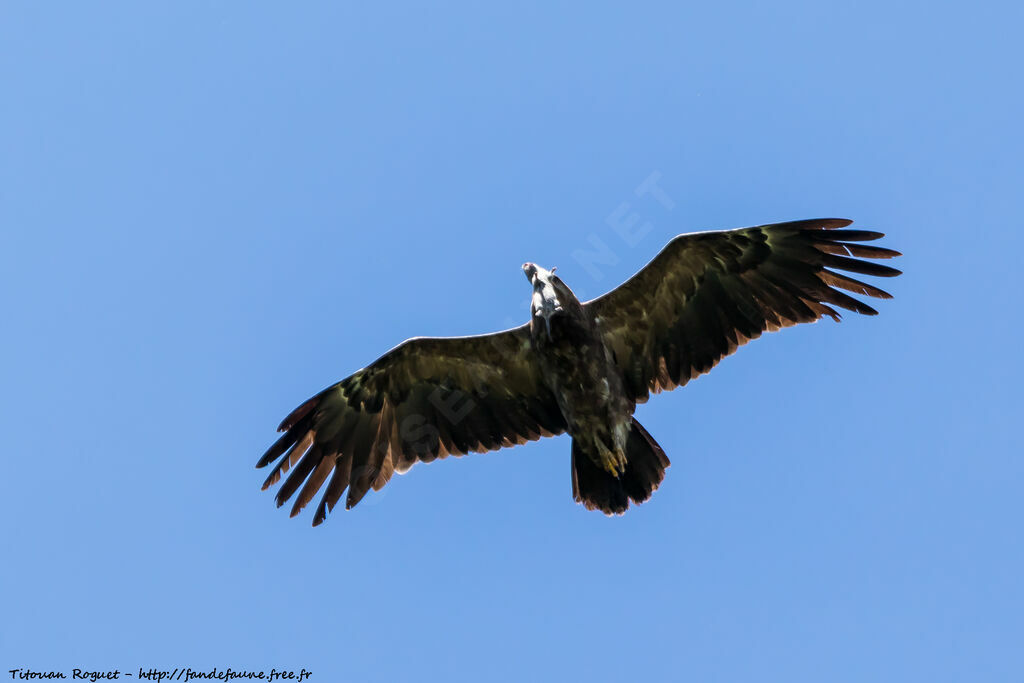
point(645, 469)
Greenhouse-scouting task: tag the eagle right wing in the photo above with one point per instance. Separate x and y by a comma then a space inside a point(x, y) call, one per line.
point(425, 399)
point(707, 293)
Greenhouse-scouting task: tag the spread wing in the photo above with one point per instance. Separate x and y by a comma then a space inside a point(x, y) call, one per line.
point(707, 293)
point(425, 399)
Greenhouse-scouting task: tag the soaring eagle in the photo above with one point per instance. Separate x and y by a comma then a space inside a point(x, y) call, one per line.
point(574, 367)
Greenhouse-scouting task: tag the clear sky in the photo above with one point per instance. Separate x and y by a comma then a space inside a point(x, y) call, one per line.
point(211, 210)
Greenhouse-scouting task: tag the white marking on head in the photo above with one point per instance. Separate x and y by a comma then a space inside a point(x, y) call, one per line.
point(545, 301)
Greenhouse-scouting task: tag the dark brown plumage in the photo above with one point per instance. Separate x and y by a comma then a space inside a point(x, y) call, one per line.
point(576, 367)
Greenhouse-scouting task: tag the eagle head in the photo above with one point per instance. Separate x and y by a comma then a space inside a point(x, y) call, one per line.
point(548, 293)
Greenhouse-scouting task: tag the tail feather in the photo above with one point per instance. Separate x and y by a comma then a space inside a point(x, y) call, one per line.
point(598, 490)
point(594, 487)
point(645, 464)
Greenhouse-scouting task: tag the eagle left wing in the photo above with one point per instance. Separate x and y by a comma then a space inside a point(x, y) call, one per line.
point(707, 293)
point(425, 399)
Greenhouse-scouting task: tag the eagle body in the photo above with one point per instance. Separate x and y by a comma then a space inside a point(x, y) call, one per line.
point(580, 371)
point(576, 367)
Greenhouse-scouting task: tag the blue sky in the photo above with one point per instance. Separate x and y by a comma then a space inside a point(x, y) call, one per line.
point(208, 212)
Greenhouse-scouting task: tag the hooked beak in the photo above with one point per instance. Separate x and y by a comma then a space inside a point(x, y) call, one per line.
point(532, 270)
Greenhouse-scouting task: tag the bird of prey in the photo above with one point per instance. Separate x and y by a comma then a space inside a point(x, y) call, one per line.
point(575, 367)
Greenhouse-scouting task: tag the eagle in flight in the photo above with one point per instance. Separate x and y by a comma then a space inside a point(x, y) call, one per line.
point(574, 367)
